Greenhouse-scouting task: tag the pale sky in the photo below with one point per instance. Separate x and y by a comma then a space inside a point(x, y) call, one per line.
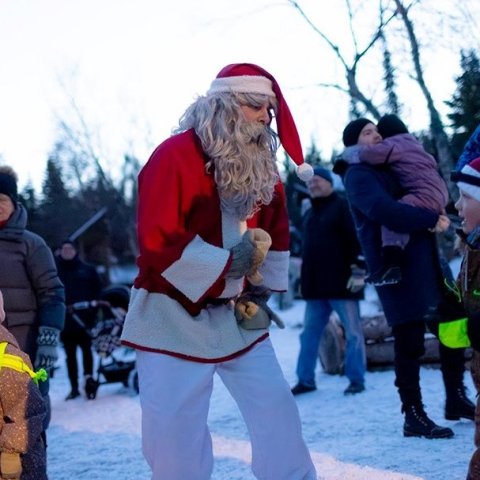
point(133, 66)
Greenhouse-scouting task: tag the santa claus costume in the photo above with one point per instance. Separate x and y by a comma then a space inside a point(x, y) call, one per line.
point(181, 319)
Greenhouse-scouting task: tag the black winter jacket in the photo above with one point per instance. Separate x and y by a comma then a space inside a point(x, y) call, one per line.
point(329, 247)
point(82, 283)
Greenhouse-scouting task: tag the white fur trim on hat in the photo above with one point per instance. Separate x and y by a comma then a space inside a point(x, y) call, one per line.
point(468, 188)
point(242, 84)
point(305, 172)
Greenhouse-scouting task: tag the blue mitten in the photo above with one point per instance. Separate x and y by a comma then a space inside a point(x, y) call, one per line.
point(47, 342)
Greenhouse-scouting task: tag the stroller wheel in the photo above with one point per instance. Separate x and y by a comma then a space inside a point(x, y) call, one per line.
point(133, 380)
point(91, 387)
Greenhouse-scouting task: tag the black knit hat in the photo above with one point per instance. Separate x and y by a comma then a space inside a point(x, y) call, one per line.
point(8, 186)
point(352, 131)
point(390, 125)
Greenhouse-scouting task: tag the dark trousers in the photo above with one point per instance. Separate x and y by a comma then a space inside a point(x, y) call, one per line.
point(409, 346)
point(70, 343)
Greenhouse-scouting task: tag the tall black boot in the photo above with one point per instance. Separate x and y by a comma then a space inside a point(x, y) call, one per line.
point(417, 424)
point(458, 405)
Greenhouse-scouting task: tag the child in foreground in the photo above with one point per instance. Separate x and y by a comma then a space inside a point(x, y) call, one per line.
point(22, 411)
point(468, 285)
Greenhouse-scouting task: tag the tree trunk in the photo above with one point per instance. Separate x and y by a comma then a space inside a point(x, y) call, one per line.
point(439, 137)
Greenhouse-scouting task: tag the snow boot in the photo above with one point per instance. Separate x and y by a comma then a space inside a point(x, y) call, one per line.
point(417, 424)
point(91, 387)
point(73, 394)
point(458, 405)
point(390, 273)
point(300, 388)
point(354, 388)
point(385, 276)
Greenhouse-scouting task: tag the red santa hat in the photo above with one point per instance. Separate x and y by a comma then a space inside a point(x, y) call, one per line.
point(250, 78)
point(468, 179)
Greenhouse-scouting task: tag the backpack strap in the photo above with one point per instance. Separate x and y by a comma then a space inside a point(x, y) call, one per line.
point(18, 364)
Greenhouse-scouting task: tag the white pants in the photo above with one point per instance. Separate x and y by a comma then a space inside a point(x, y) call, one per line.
point(175, 396)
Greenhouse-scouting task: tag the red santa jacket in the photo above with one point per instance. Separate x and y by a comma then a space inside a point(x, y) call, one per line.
point(185, 240)
point(182, 246)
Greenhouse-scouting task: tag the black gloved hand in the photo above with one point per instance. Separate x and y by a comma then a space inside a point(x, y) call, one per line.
point(449, 308)
point(448, 321)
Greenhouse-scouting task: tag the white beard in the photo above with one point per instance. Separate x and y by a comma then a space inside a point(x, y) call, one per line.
point(246, 180)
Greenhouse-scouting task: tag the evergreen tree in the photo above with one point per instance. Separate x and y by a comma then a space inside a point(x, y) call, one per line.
point(29, 200)
point(389, 78)
point(57, 214)
point(465, 103)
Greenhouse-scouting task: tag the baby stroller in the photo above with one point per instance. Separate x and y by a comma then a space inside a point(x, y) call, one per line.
point(109, 313)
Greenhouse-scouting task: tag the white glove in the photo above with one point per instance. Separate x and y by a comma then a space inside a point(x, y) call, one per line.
point(357, 279)
point(263, 242)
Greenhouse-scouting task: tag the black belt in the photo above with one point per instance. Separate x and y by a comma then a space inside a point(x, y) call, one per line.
point(218, 301)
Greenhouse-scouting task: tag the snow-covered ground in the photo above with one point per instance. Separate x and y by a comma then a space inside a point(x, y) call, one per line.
point(353, 438)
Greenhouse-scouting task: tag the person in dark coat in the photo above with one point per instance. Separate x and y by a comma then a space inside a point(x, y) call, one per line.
point(330, 252)
point(34, 295)
point(82, 283)
point(417, 174)
point(371, 192)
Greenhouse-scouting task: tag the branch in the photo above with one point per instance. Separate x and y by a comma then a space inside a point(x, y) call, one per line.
point(319, 32)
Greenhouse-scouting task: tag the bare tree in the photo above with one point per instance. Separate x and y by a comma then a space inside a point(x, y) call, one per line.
point(437, 131)
point(387, 11)
point(350, 68)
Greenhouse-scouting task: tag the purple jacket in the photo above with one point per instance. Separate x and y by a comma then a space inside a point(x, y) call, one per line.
point(414, 168)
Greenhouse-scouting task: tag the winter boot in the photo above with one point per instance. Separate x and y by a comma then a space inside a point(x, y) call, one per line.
point(73, 394)
point(385, 276)
point(354, 388)
point(417, 424)
point(91, 387)
point(458, 405)
point(390, 273)
point(300, 388)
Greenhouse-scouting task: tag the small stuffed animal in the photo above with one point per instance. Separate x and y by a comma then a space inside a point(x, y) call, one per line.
point(263, 242)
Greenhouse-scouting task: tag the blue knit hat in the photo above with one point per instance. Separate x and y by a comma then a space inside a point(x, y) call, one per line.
point(324, 173)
